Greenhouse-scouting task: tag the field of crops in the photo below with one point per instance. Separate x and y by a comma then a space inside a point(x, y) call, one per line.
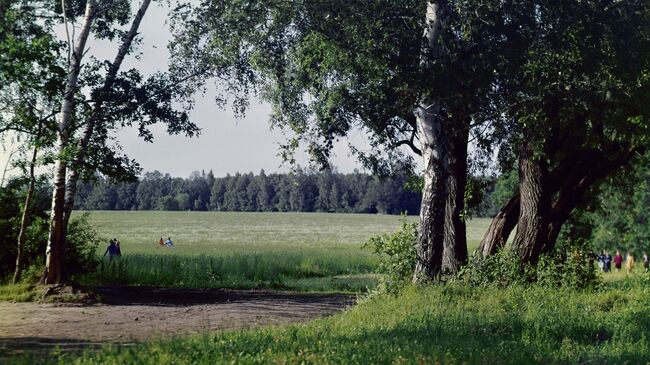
point(299, 251)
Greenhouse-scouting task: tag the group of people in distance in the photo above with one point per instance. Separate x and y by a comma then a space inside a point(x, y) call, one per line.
point(166, 243)
point(605, 261)
point(113, 249)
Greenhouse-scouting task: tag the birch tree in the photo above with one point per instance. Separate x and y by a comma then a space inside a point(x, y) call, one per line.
point(329, 68)
point(117, 99)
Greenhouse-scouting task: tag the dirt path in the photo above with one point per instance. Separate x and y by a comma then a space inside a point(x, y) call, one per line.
point(131, 314)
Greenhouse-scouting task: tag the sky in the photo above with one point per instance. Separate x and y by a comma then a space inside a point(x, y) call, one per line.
point(226, 144)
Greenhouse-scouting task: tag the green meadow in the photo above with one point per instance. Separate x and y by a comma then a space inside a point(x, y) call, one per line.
point(296, 251)
point(454, 323)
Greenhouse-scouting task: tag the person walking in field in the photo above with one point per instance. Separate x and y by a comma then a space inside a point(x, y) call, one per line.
point(111, 250)
point(117, 245)
point(601, 260)
point(629, 262)
point(169, 242)
point(161, 242)
point(618, 261)
point(646, 262)
point(608, 262)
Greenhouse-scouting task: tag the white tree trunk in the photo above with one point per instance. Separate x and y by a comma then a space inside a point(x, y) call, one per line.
point(433, 145)
point(56, 239)
point(71, 190)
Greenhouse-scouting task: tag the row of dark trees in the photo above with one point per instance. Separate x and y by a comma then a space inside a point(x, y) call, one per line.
point(296, 192)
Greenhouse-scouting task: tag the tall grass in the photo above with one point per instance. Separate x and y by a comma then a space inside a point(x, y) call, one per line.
point(299, 251)
point(451, 324)
point(272, 269)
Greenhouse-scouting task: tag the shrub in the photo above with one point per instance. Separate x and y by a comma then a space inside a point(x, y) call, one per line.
point(500, 270)
point(397, 255)
point(568, 265)
point(12, 197)
point(81, 247)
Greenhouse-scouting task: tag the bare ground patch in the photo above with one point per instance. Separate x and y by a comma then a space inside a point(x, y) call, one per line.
point(131, 314)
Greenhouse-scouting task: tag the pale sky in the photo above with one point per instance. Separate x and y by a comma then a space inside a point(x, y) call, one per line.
point(226, 144)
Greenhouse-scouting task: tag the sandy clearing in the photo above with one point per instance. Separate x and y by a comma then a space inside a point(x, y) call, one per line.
point(132, 314)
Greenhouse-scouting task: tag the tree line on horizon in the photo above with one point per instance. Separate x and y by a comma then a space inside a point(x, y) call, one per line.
point(298, 191)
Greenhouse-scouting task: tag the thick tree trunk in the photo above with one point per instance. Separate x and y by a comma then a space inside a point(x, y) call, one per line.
point(502, 225)
point(534, 206)
point(432, 211)
point(71, 190)
point(24, 222)
point(56, 239)
point(433, 146)
point(591, 168)
point(454, 253)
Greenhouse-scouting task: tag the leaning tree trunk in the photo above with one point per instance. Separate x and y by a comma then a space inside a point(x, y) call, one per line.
point(534, 206)
point(502, 225)
point(71, 190)
point(24, 222)
point(56, 239)
point(591, 169)
point(454, 253)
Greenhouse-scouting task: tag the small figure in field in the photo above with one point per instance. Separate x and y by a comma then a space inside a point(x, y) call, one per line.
point(601, 260)
point(646, 262)
point(117, 244)
point(608, 262)
point(629, 262)
point(618, 261)
point(590, 257)
point(161, 242)
point(169, 242)
point(111, 250)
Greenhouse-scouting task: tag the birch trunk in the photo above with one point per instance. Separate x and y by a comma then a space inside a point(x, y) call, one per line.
point(433, 145)
point(71, 190)
point(56, 239)
point(432, 211)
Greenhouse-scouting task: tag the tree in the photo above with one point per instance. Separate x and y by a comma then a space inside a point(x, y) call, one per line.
point(328, 68)
point(29, 79)
point(117, 99)
point(578, 93)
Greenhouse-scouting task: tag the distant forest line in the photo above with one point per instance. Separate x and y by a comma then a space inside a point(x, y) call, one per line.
point(278, 192)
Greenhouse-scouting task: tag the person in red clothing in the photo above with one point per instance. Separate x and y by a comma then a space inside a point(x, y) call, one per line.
point(618, 261)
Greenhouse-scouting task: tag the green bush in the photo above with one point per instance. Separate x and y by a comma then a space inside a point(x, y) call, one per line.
point(12, 198)
point(568, 265)
point(80, 255)
point(397, 255)
point(81, 248)
point(500, 270)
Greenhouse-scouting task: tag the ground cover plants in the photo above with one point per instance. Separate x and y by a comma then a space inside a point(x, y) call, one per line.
point(450, 324)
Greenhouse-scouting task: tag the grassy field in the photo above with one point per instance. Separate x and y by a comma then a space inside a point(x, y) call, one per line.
point(298, 251)
point(449, 324)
